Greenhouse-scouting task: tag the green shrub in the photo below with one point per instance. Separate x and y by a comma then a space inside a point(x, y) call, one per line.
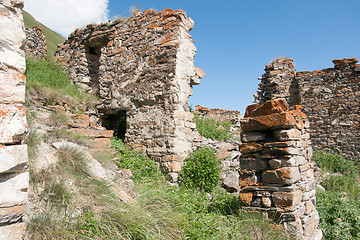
point(334, 163)
point(140, 165)
point(201, 170)
point(213, 129)
point(339, 215)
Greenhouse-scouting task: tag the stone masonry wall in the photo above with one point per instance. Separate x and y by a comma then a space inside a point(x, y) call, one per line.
point(144, 67)
point(222, 115)
point(14, 175)
point(330, 99)
point(35, 45)
point(276, 172)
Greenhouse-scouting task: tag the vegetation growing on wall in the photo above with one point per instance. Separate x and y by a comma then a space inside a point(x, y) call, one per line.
point(210, 128)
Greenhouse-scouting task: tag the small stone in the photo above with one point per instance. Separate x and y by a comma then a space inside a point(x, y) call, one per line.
point(245, 198)
point(254, 163)
point(309, 206)
point(266, 201)
point(231, 182)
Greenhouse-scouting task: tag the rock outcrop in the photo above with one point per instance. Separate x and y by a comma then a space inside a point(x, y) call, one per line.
point(276, 172)
point(143, 70)
point(14, 175)
point(330, 99)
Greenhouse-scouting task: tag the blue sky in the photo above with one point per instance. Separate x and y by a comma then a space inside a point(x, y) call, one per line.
point(236, 38)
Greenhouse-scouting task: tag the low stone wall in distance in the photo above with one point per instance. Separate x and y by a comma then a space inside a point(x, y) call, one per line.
point(276, 172)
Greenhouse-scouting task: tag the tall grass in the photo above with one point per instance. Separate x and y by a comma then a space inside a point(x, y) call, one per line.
point(339, 204)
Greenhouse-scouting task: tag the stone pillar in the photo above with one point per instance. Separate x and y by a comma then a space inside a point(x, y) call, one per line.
point(278, 82)
point(276, 172)
point(14, 175)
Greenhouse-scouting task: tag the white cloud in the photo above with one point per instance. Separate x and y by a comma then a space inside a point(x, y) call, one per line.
point(64, 16)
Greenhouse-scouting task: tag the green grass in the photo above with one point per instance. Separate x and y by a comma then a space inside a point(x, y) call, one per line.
point(339, 204)
point(52, 38)
point(47, 80)
point(335, 163)
point(85, 208)
point(210, 128)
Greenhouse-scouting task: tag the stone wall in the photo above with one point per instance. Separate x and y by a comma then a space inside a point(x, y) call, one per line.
point(143, 70)
point(35, 45)
point(276, 172)
point(330, 99)
point(223, 115)
point(14, 175)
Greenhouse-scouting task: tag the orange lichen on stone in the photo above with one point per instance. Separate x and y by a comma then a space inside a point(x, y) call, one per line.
point(152, 26)
point(250, 147)
point(267, 108)
point(345, 61)
point(199, 72)
point(245, 198)
point(274, 121)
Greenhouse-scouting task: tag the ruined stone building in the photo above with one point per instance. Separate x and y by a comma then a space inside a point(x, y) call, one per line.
point(14, 174)
point(35, 45)
point(330, 98)
point(143, 70)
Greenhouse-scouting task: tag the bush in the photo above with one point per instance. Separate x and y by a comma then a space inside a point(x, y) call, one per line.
point(201, 170)
point(141, 166)
point(334, 163)
point(210, 128)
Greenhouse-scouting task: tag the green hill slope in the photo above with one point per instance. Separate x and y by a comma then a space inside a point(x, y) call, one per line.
point(52, 38)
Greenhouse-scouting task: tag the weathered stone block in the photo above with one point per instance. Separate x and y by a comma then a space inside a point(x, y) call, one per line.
point(247, 180)
point(13, 190)
point(286, 175)
point(12, 87)
point(93, 132)
point(13, 231)
point(102, 143)
point(253, 137)
point(267, 108)
point(284, 120)
point(231, 182)
point(13, 158)
point(287, 199)
point(309, 206)
point(11, 214)
point(286, 135)
point(254, 164)
point(12, 123)
point(250, 147)
point(245, 198)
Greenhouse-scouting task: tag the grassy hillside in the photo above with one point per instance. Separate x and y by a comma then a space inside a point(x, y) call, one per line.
point(52, 38)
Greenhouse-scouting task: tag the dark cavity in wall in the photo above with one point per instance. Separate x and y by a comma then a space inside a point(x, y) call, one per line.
point(115, 119)
point(93, 55)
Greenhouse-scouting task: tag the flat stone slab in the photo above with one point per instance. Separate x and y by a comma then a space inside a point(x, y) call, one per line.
point(13, 123)
point(267, 108)
point(13, 158)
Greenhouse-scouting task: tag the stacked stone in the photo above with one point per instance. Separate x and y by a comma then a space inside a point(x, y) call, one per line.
point(14, 175)
point(331, 100)
point(35, 45)
point(276, 172)
point(142, 66)
point(278, 82)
